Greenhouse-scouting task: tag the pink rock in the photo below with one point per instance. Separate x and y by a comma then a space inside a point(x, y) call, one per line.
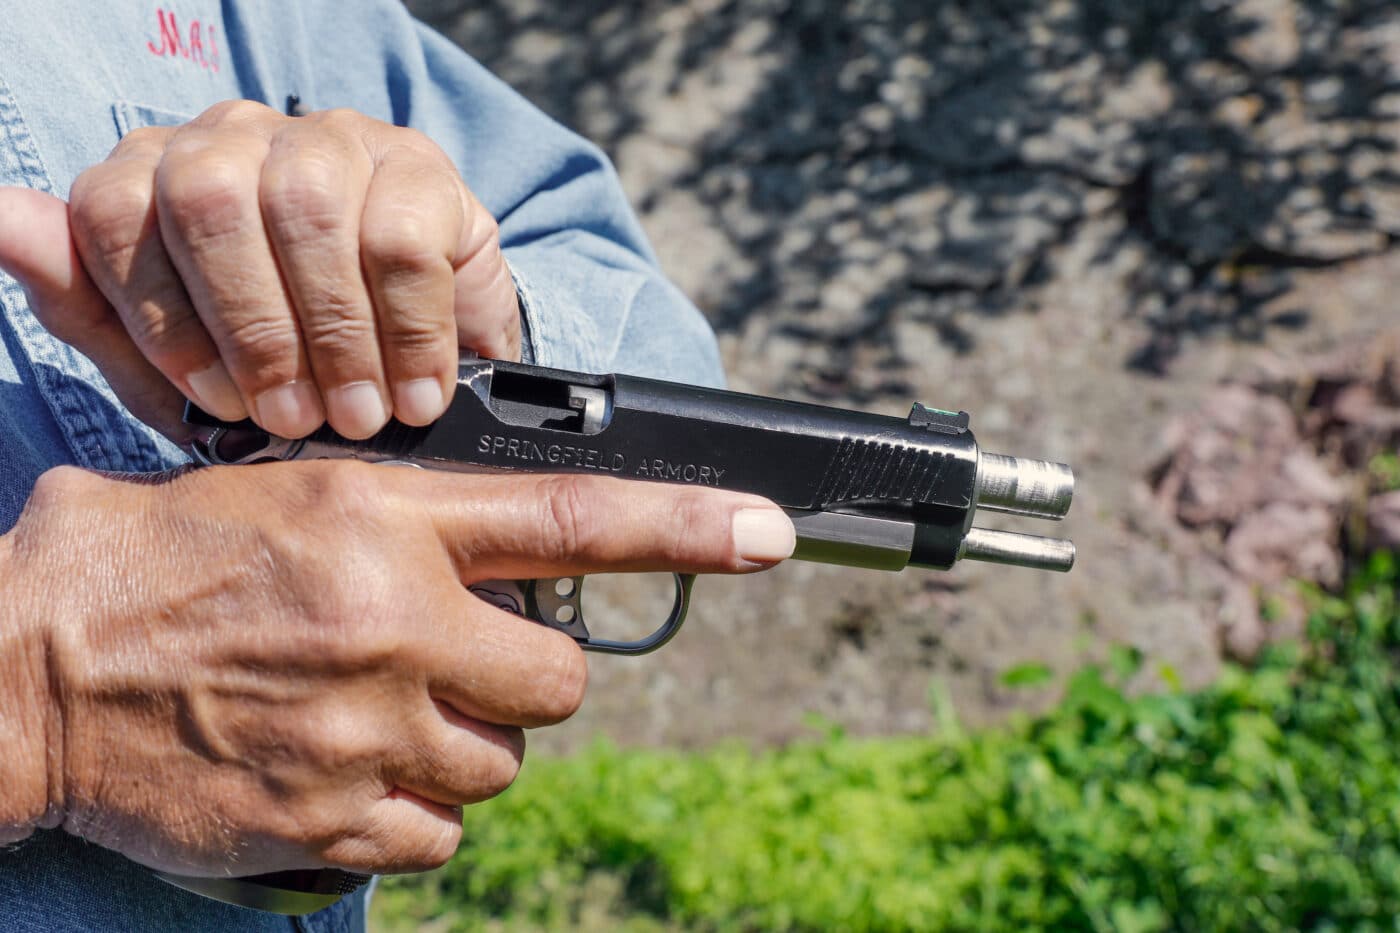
point(1242, 630)
point(1303, 480)
point(1228, 457)
point(1282, 541)
point(1383, 521)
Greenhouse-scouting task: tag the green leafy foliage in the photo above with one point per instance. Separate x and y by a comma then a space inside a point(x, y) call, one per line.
point(1384, 471)
point(1032, 674)
point(1270, 801)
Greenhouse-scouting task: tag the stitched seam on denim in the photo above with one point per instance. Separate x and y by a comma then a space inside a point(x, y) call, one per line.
point(21, 143)
point(132, 115)
point(530, 329)
point(553, 348)
point(121, 117)
point(98, 443)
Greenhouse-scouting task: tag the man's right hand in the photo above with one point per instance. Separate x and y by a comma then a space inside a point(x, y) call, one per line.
point(258, 668)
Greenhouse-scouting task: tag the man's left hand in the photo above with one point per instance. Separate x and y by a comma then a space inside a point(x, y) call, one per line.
point(293, 270)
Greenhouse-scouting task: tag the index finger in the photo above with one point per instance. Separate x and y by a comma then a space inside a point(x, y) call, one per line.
point(533, 525)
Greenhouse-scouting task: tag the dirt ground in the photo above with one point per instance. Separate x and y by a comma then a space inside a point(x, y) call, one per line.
point(1079, 220)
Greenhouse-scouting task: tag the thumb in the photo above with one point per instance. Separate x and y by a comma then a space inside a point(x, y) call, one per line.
point(484, 300)
point(36, 247)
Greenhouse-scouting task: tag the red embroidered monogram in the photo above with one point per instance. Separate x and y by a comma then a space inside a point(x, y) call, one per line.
point(199, 45)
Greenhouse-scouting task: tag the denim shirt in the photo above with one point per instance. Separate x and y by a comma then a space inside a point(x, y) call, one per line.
point(75, 76)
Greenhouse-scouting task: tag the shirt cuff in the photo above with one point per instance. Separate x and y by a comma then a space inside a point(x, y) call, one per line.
point(589, 305)
point(525, 301)
point(555, 329)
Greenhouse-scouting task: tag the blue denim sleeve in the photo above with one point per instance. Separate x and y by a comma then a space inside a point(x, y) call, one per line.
point(592, 295)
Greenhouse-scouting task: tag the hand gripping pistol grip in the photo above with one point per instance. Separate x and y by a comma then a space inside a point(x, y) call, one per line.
point(862, 489)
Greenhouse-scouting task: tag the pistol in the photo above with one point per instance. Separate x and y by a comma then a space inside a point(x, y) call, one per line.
point(864, 490)
point(861, 489)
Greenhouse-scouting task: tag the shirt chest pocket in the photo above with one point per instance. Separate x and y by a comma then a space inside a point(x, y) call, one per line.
point(84, 413)
point(131, 116)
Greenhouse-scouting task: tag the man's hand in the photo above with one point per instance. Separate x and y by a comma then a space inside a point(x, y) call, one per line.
point(295, 270)
point(256, 668)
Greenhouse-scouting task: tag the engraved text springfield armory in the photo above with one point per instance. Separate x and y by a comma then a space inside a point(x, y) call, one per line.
point(591, 458)
point(514, 448)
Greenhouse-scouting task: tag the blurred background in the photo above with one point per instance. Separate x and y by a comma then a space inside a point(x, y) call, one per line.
point(1156, 240)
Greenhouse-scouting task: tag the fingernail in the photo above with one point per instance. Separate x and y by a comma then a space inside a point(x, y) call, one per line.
point(417, 401)
point(291, 410)
point(214, 391)
point(357, 409)
point(763, 535)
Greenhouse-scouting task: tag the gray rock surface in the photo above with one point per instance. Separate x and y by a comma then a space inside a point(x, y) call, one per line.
point(1074, 219)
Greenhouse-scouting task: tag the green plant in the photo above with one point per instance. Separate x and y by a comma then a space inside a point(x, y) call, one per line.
point(1270, 801)
point(1384, 471)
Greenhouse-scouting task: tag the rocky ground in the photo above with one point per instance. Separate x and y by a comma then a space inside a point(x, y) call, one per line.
point(1155, 240)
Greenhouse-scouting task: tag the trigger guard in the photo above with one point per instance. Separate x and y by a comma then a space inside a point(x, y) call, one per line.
point(540, 605)
point(556, 603)
point(663, 634)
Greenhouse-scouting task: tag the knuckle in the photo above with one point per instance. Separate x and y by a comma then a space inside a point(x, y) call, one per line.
point(500, 773)
point(564, 517)
point(416, 330)
point(96, 187)
point(359, 623)
point(143, 139)
point(347, 631)
point(264, 344)
point(440, 850)
point(567, 682)
point(405, 142)
point(379, 647)
point(343, 121)
point(340, 329)
point(107, 210)
point(235, 111)
point(690, 522)
point(59, 508)
point(401, 244)
point(60, 484)
point(335, 739)
point(484, 235)
point(205, 188)
point(350, 489)
point(166, 336)
point(304, 199)
point(367, 643)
